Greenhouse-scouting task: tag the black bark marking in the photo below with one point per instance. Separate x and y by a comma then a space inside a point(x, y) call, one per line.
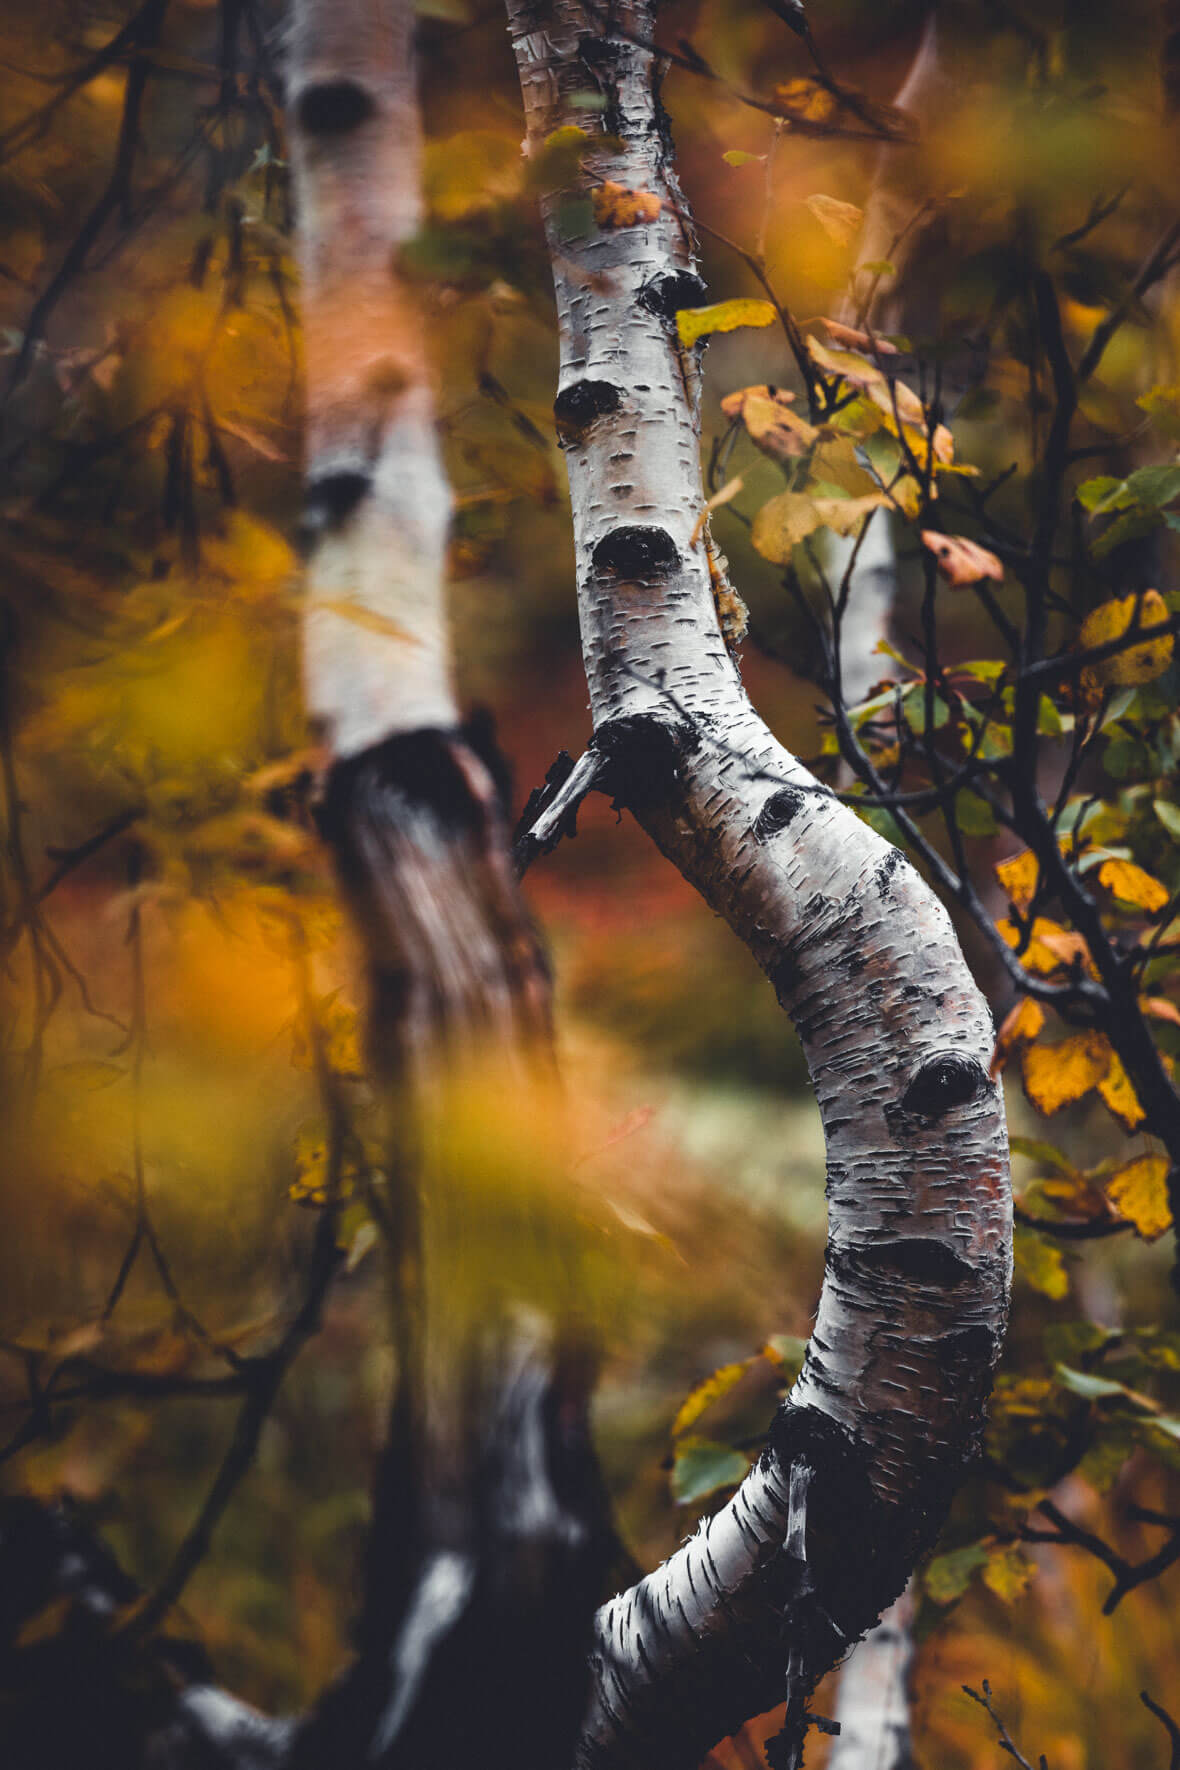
point(576, 408)
point(641, 756)
point(885, 871)
point(637, 552)
point(915, 1259)
point(666, 295)
point(329, 500)
point(334, 107)
point(971, 1350)
point(777, 812)
point(947, 1081)
point(600, 56)
point(785, 976)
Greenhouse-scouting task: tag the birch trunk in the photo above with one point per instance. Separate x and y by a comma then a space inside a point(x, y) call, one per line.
point(873, 1703)
point(871, 1443)
point(894, 221)
point(485, 1556)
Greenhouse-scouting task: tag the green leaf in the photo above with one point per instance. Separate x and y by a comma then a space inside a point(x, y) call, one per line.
point(693, 323)
point(701, 1467)
point(1039, 1151)
point(1169, 816)
point(974, 815)
point(1071, 1339)
point(1130, 526)
point(1048, 719)
point(1154, 487)
point(948, 1576)
point(1094, 493)
point(787, 1351)
point(739, 157)
point(1091, 1387)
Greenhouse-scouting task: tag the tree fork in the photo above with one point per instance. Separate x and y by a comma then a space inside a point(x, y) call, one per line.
point(890, 1404)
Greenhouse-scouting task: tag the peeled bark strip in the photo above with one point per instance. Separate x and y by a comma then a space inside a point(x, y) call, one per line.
point(890, 1403)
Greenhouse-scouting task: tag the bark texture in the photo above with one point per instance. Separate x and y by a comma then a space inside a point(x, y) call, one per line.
point(874, 1437)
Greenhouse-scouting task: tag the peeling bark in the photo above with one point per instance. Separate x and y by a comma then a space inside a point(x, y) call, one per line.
point(889, 1407)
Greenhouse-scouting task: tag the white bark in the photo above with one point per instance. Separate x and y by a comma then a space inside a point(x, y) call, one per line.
point(375, 655)
point(890, 1401)
point(873, 1704)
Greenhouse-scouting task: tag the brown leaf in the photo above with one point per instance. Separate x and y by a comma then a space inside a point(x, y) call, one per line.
point(962, 561)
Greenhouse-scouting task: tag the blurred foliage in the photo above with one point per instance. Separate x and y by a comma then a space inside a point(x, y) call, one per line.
point(181, 1048)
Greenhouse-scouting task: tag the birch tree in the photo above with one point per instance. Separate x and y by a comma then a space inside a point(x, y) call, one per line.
point(863, 1457)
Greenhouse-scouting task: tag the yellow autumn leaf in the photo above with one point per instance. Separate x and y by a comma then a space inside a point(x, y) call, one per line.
point(616, 206)
point(788, 519)
point(1039, 1263)
point(1130, 884)
point(805, 99)
point(705, 1394)
point(1007, 1572)
point(1057, 1075)
point(1139, 1192)
point(1050, 946)
point(856, 370)
point(1019, 877)
point(724, 316)
point(1118, 1094)
point(1020, 1027)
point(840, 221)
point(1139, 663)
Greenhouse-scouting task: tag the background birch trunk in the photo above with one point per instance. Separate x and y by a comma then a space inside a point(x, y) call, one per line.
point(866, 1452)
point(485, 1556)
point(873, 1700)
point(887, 302)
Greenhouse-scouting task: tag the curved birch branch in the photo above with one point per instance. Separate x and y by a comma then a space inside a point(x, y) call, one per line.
point(873, 1439)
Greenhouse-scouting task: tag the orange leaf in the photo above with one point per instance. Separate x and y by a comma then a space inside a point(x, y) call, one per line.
point(1020, 1027)
point(1139, 1192)
point(616, 206)
point(1057, 1075)
point(1116, 1090)
point(962, 561)
point(1019, 877)
point(1130, 884)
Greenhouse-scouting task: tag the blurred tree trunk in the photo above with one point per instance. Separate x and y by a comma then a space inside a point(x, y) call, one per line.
point(865, 1454)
